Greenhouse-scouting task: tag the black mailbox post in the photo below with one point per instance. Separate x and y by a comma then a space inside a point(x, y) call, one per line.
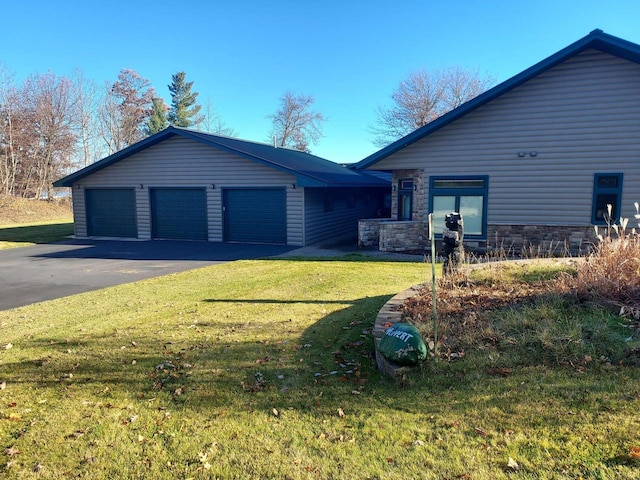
point(452, 240)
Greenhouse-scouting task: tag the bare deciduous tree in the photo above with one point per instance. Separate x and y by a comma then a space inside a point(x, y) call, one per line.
point(50, 106)
point(213, 123)
point(423, 97)
point(126, 107)
point(8, 106)
point(295, 125)
point(85, 92)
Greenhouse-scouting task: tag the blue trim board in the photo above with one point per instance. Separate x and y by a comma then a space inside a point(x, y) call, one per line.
point(597, 39)
point(617, 190)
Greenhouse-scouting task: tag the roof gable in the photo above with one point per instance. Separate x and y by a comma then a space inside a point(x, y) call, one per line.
point(310, 170)
point(597, 40)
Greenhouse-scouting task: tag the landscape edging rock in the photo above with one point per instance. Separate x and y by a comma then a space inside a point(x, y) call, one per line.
point(389, 315)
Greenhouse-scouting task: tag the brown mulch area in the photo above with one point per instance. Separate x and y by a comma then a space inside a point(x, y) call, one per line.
point(465, 304)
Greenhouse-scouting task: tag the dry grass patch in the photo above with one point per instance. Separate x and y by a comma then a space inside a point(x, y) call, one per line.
point(16, 210)
point(25, 222)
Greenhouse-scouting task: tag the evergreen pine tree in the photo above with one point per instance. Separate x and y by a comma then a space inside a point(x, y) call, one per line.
point(158, 119)
point(184, 109)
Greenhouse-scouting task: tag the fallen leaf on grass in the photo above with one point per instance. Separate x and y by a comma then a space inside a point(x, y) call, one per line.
point(634, 452)
point(512, 464)
point(275, 412)
point(75, 435)
point(479, 431)
point(503, 372)
point(3, 385)
point(12, 451)
point(179, 391)
point(12, 416)
point(340, 412)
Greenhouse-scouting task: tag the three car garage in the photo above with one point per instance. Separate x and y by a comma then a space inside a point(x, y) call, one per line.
point(186, 185)
point(250, 215)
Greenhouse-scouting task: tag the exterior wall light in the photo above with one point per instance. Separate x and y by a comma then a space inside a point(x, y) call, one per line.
point(522, 154)
point(141, 186)
point(533, 154)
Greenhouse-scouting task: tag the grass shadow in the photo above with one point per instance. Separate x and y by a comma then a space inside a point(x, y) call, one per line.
point(36, 233)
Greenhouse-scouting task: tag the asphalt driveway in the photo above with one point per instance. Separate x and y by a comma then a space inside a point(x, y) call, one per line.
point(48, 271)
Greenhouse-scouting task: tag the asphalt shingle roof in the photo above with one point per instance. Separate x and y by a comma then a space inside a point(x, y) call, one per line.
point(310, 170)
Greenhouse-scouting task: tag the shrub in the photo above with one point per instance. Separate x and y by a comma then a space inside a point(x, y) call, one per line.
point(611, 273)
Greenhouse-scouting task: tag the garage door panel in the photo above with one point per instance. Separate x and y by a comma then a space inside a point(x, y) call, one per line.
point(111, 212)
point(255, 215)
point(179, 213)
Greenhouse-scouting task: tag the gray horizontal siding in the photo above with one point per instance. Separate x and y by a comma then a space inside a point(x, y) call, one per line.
point(181, 162)
point(79, 217)
point(342, 222)
point(581, 117)
point(295, 216)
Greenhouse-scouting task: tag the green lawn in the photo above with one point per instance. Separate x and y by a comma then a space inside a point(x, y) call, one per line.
point(21, 235)
point(262, 369)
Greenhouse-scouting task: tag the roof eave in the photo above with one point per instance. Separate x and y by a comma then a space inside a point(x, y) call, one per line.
point(69, 180)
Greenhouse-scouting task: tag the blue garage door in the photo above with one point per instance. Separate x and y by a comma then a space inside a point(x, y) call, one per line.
point(111, 212)
point(179, 213)
point(255, 215)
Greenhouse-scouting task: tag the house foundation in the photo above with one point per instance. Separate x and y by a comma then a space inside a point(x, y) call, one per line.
point(505, 240)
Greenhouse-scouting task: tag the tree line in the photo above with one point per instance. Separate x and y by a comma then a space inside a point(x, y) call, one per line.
point(50, 124)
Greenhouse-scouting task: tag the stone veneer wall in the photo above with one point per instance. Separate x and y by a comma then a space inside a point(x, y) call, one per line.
point(403, 236)
point(512, 240)
point(369, 231)
point(555, 240)
point(419, 202)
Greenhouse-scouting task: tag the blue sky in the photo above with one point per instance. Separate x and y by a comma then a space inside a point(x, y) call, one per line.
point(348, 54)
